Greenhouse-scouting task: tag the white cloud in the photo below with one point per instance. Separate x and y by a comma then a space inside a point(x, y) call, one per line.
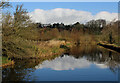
point(106, 15)
point(64, 63)
point(68, 16)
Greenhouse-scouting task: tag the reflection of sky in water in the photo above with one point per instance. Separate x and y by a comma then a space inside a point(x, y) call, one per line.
point(68, 68)
point(82, 66)
point(68, 63)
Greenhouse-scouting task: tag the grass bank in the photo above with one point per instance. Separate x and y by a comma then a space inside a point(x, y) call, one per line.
point(6, 62)
point(110, 46)
point(29, 49)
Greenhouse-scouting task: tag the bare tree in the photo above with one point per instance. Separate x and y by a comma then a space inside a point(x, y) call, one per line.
point(21, 18)
point(4, 4)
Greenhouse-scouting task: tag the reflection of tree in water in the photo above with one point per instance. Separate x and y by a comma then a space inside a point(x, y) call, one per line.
point(91, 53)
point(114, 62)
point(97, 55)
point(21, 69)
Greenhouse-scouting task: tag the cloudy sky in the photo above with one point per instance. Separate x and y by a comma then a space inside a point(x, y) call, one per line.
point(70, 12)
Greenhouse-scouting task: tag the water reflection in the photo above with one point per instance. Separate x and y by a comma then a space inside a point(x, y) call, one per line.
point(19, 71)
point(68, 63)
point(65, 63)
point(83, 57)
point(80, 63)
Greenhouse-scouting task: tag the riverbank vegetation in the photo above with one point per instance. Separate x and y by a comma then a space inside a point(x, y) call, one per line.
point(6, 62)
point(22, 38)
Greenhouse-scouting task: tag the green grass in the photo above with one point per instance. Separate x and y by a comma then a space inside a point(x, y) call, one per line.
point(44, 50)
point(55, 49)
point(5, 60)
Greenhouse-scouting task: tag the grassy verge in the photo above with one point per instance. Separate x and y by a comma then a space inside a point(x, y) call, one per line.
point(6, 62)
point(51, 48)
point(110, 46)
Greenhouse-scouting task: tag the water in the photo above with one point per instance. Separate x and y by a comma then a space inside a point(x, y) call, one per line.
point(84, 63)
